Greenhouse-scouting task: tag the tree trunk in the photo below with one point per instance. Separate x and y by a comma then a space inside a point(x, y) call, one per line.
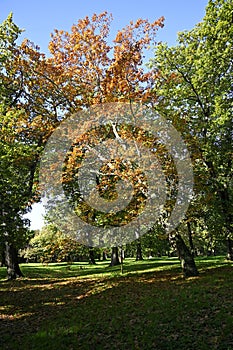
point(114, 257)
point(2, 255)
point(190, 239)
point(91, 256)
point(139, 251)
point(104, 256)
point(186, 259)
point(11, 261)
point(229, 249)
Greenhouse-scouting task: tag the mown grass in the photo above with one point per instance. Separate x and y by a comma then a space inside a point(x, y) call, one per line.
point(150, 306)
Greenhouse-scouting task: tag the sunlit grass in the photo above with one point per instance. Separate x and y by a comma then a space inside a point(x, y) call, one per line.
point(85, 270)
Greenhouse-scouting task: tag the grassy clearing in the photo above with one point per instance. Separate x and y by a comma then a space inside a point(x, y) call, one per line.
point(151, 306)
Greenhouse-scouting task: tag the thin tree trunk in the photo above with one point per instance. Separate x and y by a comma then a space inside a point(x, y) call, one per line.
point(114, 257)
point(186, 259)
point(139, 251)
point(122, 260)
point(190, 239)
point(2, 254)
point(104, 256)
point(91, 256)
point(229, 249)
point(11, 261)
point(210, 247)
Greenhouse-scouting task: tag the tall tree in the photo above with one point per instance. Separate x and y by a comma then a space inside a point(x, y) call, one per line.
point(92, 72)
point(195, 89)
point(13, 156)
point(26, 121)
point(37, 93)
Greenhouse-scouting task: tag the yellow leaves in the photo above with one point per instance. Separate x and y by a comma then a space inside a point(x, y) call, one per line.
point(94, 18)
point(119, 37)
point(52, 47)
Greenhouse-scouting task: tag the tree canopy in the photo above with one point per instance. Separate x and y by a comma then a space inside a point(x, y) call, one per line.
point(195, 92)
point(189, 84)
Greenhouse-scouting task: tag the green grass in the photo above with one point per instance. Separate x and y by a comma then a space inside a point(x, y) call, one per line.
point(150, 306)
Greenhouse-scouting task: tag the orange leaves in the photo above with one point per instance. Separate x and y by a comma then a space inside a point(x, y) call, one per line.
point(130, 43)
point(83, 69)
point(92, 71)
point(141, 32)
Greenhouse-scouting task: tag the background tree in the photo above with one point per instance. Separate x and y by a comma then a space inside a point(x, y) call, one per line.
point(52, 245)
point(115, 257)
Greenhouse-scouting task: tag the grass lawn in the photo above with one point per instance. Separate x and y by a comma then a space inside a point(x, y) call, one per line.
point(150, 306)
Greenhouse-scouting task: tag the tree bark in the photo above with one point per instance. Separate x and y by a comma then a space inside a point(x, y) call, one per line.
point(91, 256)
point(2, 255)
point(104, 256)
point(186, 259)
point(114, 257)
point(139, 251)
point(229, 249)
point(11, 261)
point(190, 239)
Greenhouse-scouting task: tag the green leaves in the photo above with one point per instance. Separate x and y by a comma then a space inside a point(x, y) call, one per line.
point(195, 89)
point(9, 33)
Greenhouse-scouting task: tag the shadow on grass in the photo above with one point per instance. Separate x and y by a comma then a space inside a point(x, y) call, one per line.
point(157, 310)
point(101, 269)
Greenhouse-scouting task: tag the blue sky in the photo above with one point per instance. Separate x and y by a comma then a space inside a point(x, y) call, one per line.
point(40, 18)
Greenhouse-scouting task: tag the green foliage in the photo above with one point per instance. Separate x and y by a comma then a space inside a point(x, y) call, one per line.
point(195, 88)
point(16, 178)
point(153, 244)
point(18, 154)
point(51, 245)
point(9, 33)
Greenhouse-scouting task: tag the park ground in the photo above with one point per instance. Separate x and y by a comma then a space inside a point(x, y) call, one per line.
point(149, 306)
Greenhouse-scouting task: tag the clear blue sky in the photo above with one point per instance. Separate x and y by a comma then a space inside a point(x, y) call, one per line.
point(40, 17)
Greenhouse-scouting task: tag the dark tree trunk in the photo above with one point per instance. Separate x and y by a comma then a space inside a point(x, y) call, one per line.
point(2, 254)
point(229, 249)
point(91, 256)
point(114, 257)
point(104, 256)
point(122, 256)
point(139, 251)
point(11, 262)
point(190, 239)
point(227, 211)
point(186, 259)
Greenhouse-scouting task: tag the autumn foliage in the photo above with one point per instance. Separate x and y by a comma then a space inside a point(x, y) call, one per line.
point(93, 72)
